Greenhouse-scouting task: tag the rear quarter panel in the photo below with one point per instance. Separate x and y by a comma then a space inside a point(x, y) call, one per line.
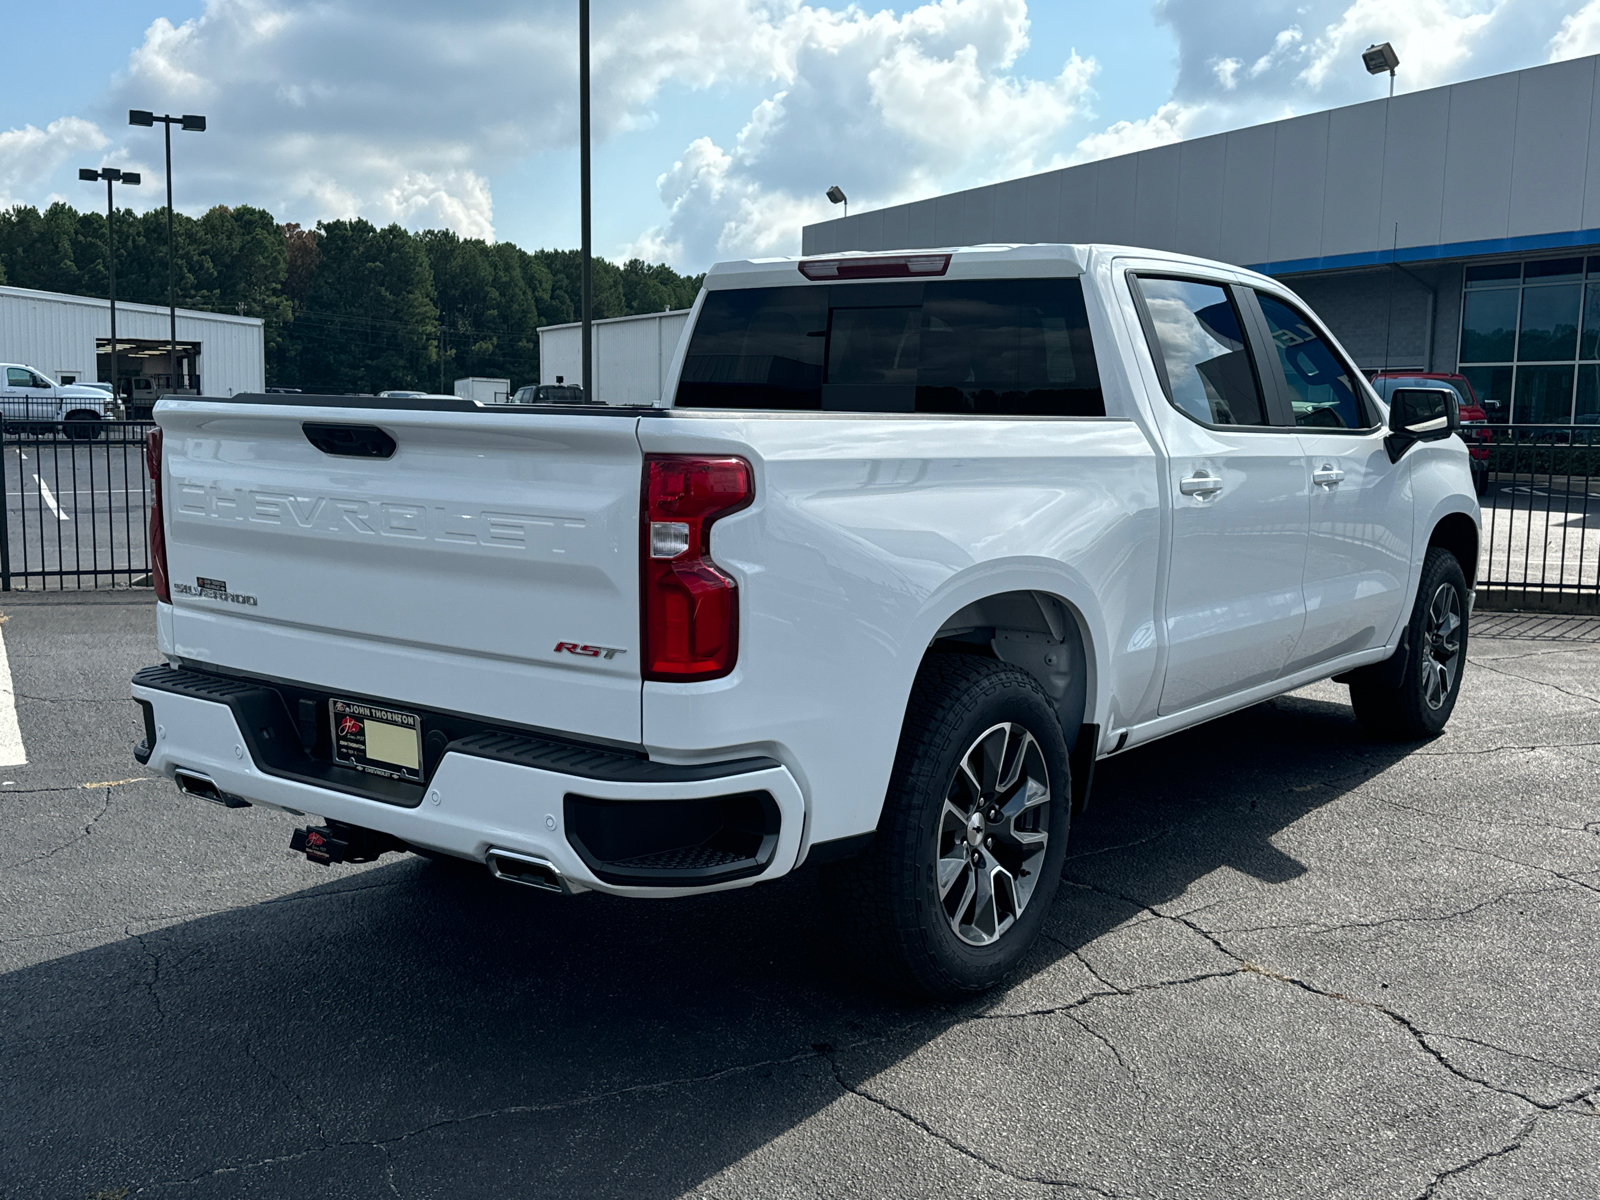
point(866, 533)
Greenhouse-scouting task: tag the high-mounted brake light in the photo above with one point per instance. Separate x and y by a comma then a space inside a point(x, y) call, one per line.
point(899, 266)
point(690, 608)
point(158, 532)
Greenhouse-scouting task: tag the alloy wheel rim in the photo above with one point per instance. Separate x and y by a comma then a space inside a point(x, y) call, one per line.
point(993, 830)
point(1441, 637)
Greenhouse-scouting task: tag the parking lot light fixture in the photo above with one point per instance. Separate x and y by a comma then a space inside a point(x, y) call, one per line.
point(193, 124)
point(836, 194)
point(111, 175)
point(1380, 58)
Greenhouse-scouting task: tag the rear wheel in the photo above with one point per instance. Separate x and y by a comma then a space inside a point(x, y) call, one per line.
point(969, 848)
point(1420, 704)
point(81, 426)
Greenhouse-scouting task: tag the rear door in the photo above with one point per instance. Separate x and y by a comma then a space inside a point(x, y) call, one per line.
point(1358, 557)
point(1235, 607)
point(488, 567)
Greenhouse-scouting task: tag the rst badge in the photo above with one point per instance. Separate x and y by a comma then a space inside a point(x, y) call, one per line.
point(588, 651)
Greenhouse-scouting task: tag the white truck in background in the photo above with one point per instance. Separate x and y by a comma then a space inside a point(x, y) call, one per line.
point(911, 541)
point(31, 399)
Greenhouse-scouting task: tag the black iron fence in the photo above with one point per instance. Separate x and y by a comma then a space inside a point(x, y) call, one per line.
point(77, 510)
point(77, 505)
point(1540, 491)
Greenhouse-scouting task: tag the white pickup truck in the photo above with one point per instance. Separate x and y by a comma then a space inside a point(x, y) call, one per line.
point(909, 543)
point(31, 399)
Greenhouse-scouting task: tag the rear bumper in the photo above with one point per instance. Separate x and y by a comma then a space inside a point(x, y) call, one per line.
point(472, 803)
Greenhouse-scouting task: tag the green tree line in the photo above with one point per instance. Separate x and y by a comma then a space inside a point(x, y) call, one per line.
point(347, 306)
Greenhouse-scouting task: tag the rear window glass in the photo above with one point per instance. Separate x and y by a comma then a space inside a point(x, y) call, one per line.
point(991, 348)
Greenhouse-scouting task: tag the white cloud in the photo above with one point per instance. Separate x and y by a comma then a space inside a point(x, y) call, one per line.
point(889, 107)
point(1282, 45)
point(1579, 34)
point(29, 156)
point(1433, 38)
point(1169, 123)
point(1313, 60)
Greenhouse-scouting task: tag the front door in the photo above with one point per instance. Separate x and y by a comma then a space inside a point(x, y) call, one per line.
point(27, 396)
point(1235, 606)
point(1359, 551)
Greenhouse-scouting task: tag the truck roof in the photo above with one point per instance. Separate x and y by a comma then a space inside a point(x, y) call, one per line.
point(996, 261)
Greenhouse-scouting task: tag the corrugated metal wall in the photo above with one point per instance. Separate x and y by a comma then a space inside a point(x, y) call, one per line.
point(631, 355)
point(56, 334)
point(1448, 172)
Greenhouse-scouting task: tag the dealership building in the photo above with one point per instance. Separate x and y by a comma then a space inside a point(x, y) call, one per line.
point(1456, 228)
point(69, 339)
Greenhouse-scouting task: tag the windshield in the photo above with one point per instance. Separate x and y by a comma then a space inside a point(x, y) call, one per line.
point(1016, 347)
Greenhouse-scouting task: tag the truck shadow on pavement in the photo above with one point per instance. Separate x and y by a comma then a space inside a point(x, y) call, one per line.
point(414, 1029)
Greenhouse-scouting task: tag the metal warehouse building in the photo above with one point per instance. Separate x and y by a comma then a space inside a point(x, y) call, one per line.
point(69, 338)
point(1453, 228)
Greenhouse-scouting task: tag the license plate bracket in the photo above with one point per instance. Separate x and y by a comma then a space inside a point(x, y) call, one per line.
point(377, 739)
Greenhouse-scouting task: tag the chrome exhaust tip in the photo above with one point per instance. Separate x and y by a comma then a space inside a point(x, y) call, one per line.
point(192, 783)
point(527, 870)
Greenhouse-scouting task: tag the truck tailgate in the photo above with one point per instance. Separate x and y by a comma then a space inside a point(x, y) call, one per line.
point(462, 571)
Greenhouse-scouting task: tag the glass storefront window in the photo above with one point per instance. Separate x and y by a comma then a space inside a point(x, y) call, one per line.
point(1543, 395)
point(1530, 339)
point(1494, 275)
point(1552, 269)
point(1588, 408)
point(1549, 328)
point(1492, 385)
point(1489, 326)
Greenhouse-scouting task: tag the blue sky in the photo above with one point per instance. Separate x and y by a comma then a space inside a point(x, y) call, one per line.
point(719, 122)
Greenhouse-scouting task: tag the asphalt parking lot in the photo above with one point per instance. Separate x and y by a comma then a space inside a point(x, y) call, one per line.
point(1287, 962)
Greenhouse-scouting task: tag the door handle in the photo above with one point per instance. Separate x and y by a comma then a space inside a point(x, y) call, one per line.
point(1200, 484)
point(1327, 475)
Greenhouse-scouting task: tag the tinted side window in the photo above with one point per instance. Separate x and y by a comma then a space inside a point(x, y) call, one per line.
point(1322, 389)
point(1200, 338)
point(992, 348)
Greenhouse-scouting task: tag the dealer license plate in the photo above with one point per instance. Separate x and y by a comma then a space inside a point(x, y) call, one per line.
point(381, 741)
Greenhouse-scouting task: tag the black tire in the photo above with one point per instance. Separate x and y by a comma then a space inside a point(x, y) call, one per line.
point(1480, 478)
point(1436, 656)
point(887, 903)
point(81, 426)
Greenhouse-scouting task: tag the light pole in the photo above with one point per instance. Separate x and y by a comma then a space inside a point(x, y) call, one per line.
point(837, 196)
point(194, 124)
point(587, 287)
point(111, 175)
point(1381, 58)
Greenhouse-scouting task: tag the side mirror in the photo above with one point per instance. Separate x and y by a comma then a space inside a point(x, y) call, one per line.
point(1420, 415)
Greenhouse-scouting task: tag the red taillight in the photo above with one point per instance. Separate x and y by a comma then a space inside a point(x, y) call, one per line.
point(690, 608)
point(899, 266)
point(158, 531)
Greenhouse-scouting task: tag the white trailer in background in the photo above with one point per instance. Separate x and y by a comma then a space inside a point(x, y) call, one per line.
point(631, 355)
point(484, 390)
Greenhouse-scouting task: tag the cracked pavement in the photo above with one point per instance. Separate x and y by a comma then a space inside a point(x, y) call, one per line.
point(1286, 960)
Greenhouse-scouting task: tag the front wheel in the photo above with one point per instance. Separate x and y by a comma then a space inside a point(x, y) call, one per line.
point(1436, 652)
point(969, 849)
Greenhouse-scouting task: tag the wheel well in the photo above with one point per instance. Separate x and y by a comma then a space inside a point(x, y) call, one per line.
point(1035, 631)
point(1457, 534)
point(79, 414)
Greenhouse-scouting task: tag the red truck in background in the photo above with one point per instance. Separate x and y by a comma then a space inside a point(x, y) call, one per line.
point(1474, 419)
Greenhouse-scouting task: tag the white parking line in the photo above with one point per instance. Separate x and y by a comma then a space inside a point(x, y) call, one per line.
point(12, 753)
point(49, 498)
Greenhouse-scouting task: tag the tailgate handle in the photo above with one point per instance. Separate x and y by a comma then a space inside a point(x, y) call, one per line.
point(350, 441)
